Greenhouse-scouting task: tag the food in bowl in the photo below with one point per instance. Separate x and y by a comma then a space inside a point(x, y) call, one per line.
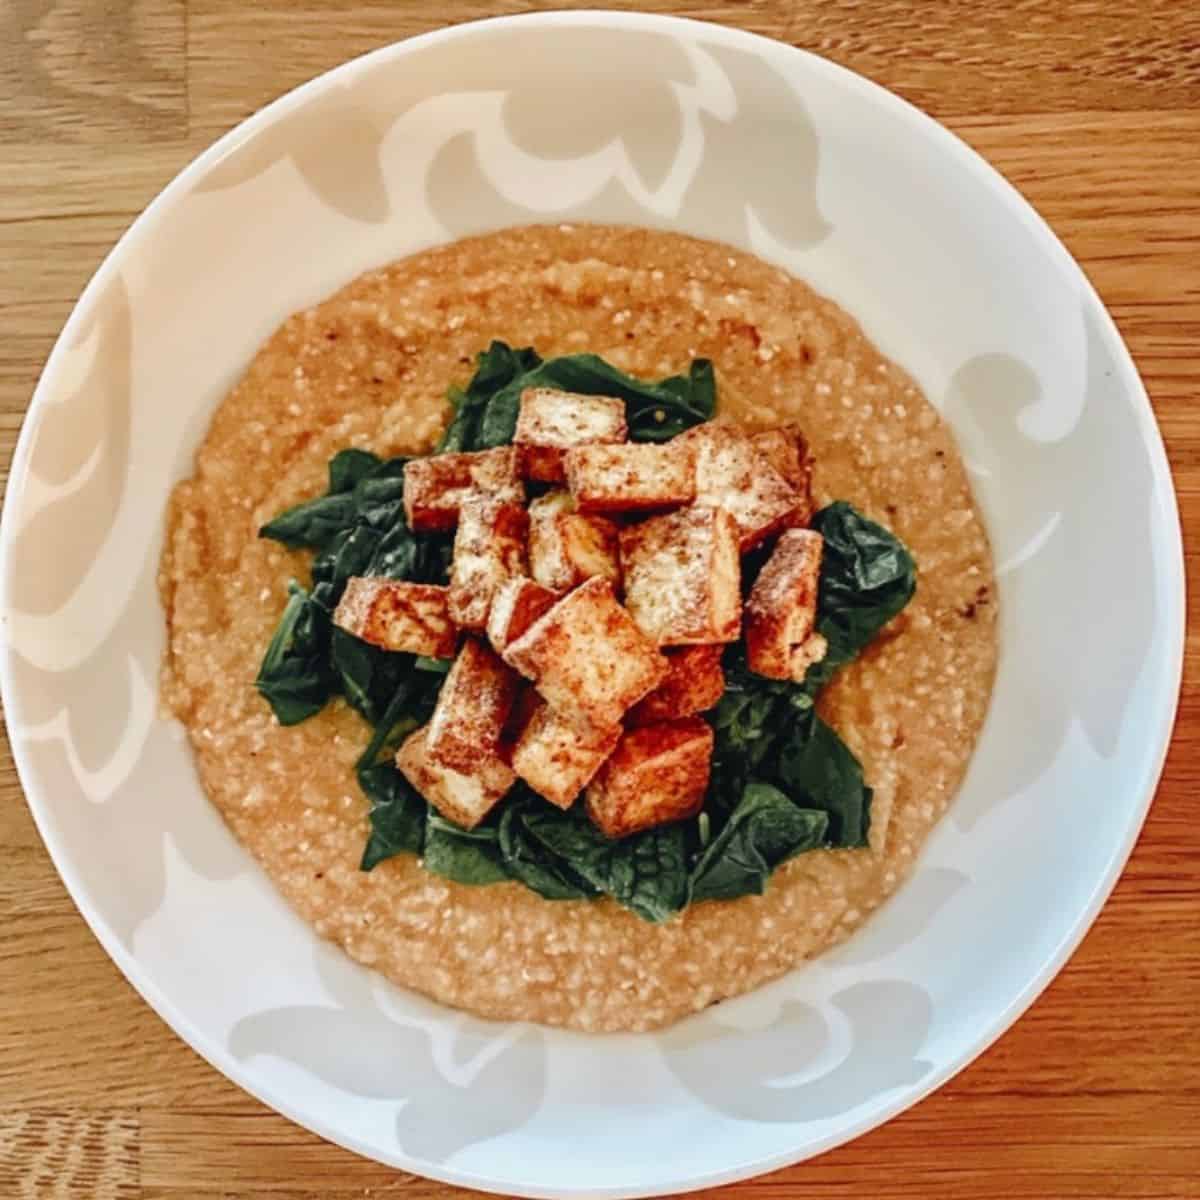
point(654, 716)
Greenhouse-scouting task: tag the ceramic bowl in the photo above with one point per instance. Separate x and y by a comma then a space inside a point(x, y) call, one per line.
point(710, 132)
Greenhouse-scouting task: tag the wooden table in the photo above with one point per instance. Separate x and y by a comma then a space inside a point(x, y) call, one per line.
point(1093, 109)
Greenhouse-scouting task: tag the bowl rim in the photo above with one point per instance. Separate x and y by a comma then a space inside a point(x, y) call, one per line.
point(1165, 501)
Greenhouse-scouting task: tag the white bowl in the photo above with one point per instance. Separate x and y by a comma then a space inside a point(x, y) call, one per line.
point(719, 134)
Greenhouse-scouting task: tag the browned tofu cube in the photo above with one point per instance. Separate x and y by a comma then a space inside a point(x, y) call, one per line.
point(657, 774)
point(436, 486)
point(683, 576)
point(489, 550)
point(636, 477)
point(557, 758)
point(732, 475)
point(410, 617)
point(464, 797)
point(781, 610)
point(695, 684)
point(786, 449)
point(517, 605)
point(472, 708)
point(566, 547)
point(551, 421)
point(587, 658)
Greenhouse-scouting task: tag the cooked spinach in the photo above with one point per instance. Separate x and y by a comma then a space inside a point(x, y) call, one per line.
point(867, 577)
point(783, 782)
point(464, 855)
point(529, 861)
point(296, 677)
point(821, 771)
point(768, 731)
point(645, 872)
point(397, 814)
point(485, 414)
point(762, 832)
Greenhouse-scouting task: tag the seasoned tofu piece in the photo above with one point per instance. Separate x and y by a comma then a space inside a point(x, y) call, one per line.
point(731, 474)
point(518, 603)
point(410, 617)
point(786, 449)
point(551, 421)
point(472, 708)
point(657, 774)
point(436, 486)
point(464, 797)
point(781, 611)
point(489, 550)
point(566, 547)
point(683, 576)
point(587, 658)
point(695, 684)
point(635, 477)
point(557, 758)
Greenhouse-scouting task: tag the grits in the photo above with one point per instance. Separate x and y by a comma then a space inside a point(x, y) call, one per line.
point(369, 367)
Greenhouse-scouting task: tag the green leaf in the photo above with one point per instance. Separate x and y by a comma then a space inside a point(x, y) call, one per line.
point(821, 771)
point(313, 524)
point(763, 831)
point(347, 467)
point(496, 367)
point(867, 577)
point(295, 676)
point(369, 676)
point(645, 872)
point(464, 855)
point(379, 494)
point(528, 860)
point(485, 414)
point(397, 815)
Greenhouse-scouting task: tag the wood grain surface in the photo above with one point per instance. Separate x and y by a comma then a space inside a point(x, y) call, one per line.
point(1093, 109)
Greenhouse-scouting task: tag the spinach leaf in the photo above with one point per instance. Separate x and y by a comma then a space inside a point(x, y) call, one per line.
point(379, 495)
point(349, 553)
point(369, 676)
point(313, 524)
point(820, 770)
point(397, 814)
point(485, 415)
point(867, 577)
point(763, 831)
point(464, 855)
point(645, 872)
point(349, 466)
point(496, 367)
point(295, 677)
point(530, 862)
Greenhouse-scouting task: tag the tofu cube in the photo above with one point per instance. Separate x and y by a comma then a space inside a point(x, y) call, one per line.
point(657, 774)
point(557, 758)
point(516, 606)
point(694, 685)
point(683, 576)
point(464, 797)
point(635, 477)
point(489, 550)
point(786, 449)
point(781, 610)
point(472, 708)
point(732, 475)
point(566, 547)
point(587, 658)
point(413, 618)
point(551, 421)
point(435, 487)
